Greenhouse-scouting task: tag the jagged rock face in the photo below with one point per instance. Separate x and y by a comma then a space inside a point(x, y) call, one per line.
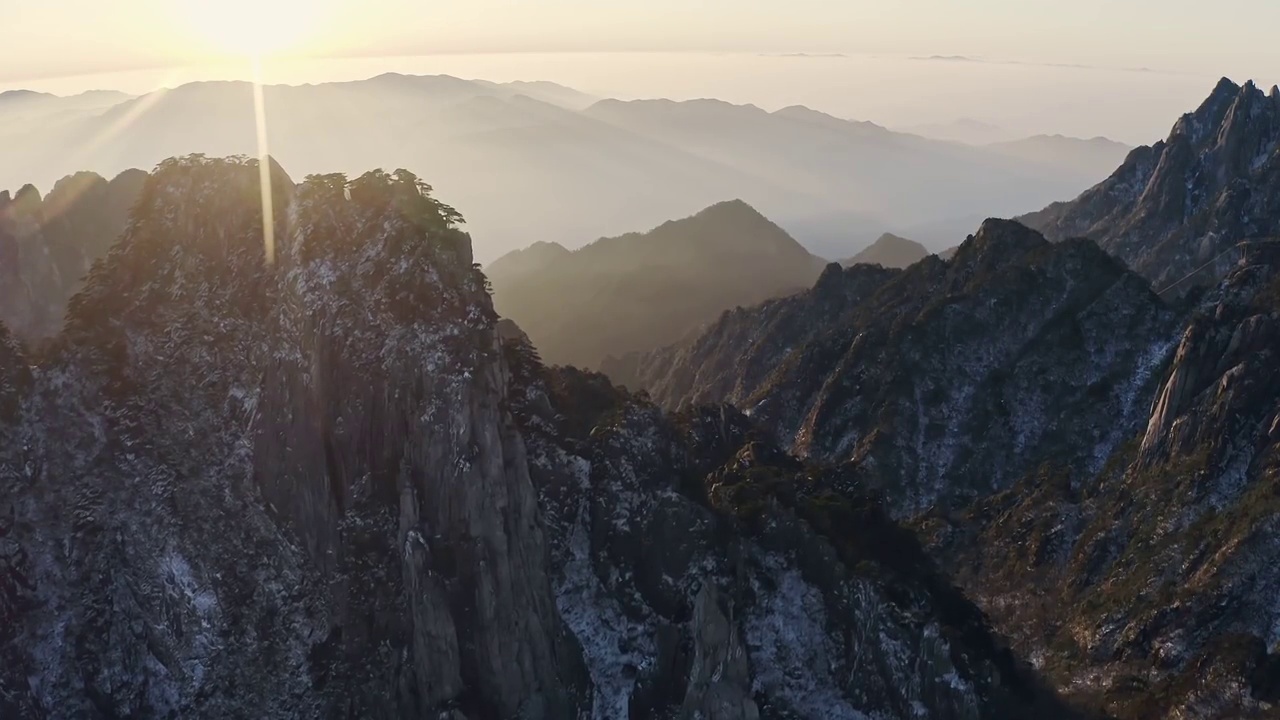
point(15, 563)
point(709, 574)
point(1157, 577)
point(15, 295)
point(734, 357)
point(948, 380)
point(415, 457)
point(278, 490)
point(48, 245)
point(1179, 204)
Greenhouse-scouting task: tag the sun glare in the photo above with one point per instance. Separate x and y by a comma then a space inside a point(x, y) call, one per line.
point(253, 28)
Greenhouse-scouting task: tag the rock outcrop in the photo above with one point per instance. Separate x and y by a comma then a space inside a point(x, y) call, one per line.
point(1156, 577)
point(280, 490)
point(1043, 350)
point(1179, 206)
point(48, 244)
point(709, 574)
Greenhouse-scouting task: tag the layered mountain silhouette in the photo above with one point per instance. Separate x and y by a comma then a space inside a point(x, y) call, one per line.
point(965, 130)
point(1094, 460)
point(645, 290)
point(326, 486)
point(49, 243)
point(1175, 207)
point(890, 251)
point(529, 162)
point(1092, 158)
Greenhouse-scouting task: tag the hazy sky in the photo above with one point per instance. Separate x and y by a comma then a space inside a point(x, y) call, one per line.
point(1123, 68)
point(76, 36)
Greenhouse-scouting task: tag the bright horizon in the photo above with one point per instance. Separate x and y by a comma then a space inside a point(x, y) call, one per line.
point(79, 36)
point(909, 93)
point(1079, 69)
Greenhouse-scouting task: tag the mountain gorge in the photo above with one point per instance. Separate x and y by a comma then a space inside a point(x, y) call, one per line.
point(1156, 576)
point(319, 484)
point(832, 609)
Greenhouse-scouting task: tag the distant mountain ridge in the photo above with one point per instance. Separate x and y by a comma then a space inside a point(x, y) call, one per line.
point(1184, 202)
point(1091, 158)
point(534, 155)
point(537, 256)
point(890, 251)
point(965, 130)
point(643, 290)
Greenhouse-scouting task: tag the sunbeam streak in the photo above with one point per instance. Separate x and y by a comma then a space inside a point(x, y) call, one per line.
point(264, 164)
point(122, 117)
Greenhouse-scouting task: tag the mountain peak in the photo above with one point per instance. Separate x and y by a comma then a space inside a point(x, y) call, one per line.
point(1179, 205)
point(831, 276)
point(1209, 116)
point(891, 239)
point(891, 251)
point(211, 194)
point(640, 291)
point(1225, 86)
point(17, 95)
point(997, 243)
point(736, 207)
point(997, 232)
point(534, 258)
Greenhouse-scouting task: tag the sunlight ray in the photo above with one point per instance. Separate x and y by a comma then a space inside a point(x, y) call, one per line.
point(83, 154)
point(264, 164)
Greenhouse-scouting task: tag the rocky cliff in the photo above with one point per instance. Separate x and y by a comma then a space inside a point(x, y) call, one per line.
point(709, 574)
point(279, 490)
point(1174, 207)
point(1043, 350)
point(1092, 465)
point(48, 244)
point(1156, 577)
